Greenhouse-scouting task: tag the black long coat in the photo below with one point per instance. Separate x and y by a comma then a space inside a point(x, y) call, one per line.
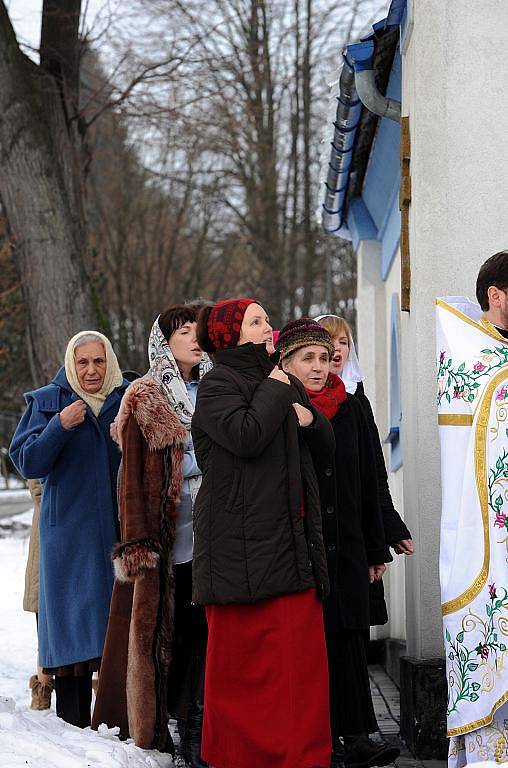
point(250, 539)
point(352, 525)
point(394, 527)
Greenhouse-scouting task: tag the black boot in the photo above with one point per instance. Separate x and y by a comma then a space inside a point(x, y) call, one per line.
point(190, 745)
point(338, 753)
point(362, 752)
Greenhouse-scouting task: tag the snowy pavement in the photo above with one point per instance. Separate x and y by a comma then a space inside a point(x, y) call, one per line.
point(40, 739)
point(14, 502)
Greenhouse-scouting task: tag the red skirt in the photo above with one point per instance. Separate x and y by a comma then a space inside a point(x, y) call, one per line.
point(266, 685)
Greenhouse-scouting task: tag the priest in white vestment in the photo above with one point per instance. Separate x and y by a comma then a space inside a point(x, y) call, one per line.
point(472, 398)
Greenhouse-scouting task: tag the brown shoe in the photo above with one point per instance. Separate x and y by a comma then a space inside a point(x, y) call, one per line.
point(41, 693)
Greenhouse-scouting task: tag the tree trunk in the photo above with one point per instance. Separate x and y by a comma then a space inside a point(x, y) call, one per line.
point(39, 190)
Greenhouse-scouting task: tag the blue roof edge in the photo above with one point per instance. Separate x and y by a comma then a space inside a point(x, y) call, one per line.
point(357, 57)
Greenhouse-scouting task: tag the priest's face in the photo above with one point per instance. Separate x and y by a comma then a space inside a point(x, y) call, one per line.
point(309, 364)
point(341, 354)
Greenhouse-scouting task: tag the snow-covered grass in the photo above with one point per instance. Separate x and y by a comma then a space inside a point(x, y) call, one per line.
point(40, 739)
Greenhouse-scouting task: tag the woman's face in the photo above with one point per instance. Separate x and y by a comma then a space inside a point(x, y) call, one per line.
point(90, 362)
point(256, 328)
point(309, 364)
point(341, 354)
point(185, 348)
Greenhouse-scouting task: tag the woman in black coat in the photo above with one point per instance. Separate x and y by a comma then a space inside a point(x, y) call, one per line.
point(354, 541)
point(345, 364)
point(259, 564)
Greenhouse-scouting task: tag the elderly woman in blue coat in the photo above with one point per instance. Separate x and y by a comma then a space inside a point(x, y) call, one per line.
point(64, 440)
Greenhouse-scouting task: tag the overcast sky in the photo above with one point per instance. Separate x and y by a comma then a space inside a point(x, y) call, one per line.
point(26, 18)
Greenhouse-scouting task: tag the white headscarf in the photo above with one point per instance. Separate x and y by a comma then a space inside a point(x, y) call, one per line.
point(351, 373)
point(112, 379)
point(164, 369)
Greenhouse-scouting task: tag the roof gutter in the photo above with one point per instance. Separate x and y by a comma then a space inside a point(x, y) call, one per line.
point(347, 117)
point(357, 88)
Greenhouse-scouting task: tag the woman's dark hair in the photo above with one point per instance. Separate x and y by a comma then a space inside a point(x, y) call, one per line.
point(202, 336)
point(493, 272)
point(174, 317)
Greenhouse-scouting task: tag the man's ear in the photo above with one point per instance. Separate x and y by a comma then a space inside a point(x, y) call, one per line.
point(493, 296)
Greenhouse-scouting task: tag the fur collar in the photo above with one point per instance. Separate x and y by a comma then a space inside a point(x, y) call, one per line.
point(159, 424)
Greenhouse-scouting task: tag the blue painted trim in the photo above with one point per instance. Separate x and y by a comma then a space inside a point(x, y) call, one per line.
point(360, 55)
point(406, 25)
point(390, 235)
point(360, 222)
point(396, 12)
point(395, 436)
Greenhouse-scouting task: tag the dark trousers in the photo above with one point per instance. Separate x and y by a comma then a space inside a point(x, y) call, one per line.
point(73, 699)
point(351, 708)
point(189, 643)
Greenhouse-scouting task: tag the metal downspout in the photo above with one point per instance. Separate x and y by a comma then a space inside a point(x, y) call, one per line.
point(361, 57)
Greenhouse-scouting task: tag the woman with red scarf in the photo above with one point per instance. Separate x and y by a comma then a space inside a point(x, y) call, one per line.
point(354, 541)
point(259, 563)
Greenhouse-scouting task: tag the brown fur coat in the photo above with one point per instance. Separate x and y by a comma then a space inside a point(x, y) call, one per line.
point(134, 672)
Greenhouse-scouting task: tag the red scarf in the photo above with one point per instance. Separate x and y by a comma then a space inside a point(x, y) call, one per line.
point(329, 399)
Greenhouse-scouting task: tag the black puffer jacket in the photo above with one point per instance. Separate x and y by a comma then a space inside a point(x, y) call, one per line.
point(250, 539)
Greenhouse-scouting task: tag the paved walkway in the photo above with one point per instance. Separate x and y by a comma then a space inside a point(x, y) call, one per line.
point(386, 699)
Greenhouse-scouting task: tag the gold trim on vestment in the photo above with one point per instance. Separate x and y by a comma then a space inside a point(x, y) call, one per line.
point(484, 325)
point(492, 330)
point(479, 723)
point(480, 463)
point(455, 419)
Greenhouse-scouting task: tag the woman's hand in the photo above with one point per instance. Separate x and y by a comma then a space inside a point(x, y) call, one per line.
point(376, 572)
point(73, 414)
point(279, 375)
point(404, 547)
point(304, 416)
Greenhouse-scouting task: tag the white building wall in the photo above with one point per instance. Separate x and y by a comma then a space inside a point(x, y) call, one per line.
point(374, 335)
point(454, 91)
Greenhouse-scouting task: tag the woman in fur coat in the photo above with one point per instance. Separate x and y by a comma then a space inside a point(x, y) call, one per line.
point(151, 617)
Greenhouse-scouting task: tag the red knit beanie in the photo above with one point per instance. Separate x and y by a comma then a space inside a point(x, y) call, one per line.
point(225, 322)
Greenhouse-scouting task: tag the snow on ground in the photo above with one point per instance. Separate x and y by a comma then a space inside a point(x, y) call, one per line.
point(40, 739)
point(14, 494)
point(14, 482)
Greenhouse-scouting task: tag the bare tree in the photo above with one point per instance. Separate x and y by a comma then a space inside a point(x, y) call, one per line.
point(40, 183)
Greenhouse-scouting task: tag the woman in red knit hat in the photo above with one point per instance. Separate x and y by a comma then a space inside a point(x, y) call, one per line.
point(259, 563)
